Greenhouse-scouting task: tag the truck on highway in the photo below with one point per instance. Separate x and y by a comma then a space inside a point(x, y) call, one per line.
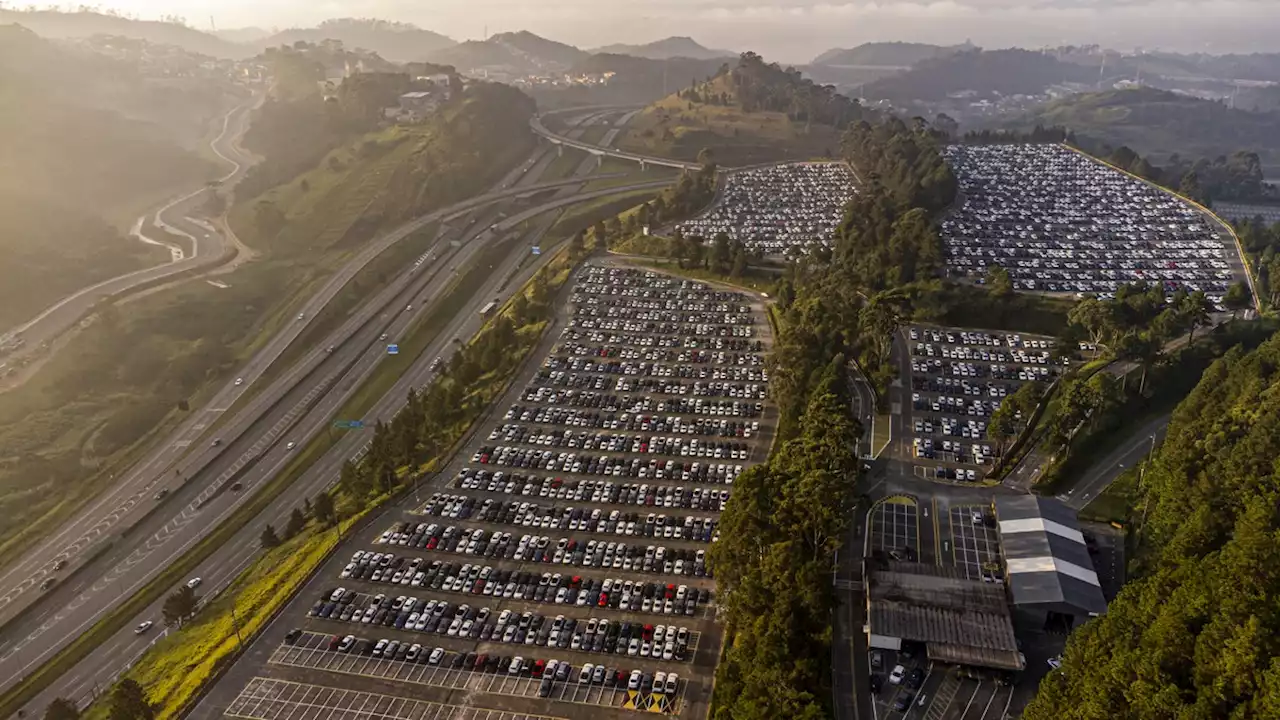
point(489, 308)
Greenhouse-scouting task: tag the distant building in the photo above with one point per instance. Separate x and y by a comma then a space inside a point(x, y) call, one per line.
point(1048, 570)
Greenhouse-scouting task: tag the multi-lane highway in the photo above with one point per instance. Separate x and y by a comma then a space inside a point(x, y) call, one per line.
point(308, 395)
point(207, 245)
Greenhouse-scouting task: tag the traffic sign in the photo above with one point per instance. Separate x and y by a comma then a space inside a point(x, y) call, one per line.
point(537, 250)
point(393, 349)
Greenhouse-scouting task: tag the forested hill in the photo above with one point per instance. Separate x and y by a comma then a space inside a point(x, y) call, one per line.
point(1197, 633)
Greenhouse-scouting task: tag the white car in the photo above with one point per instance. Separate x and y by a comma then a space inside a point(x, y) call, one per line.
point(239, 382)
point(895, 677)
point(143, 626)
point(194, 583)
point(291, 445)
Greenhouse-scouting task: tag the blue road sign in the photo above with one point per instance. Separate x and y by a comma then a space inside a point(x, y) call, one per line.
point(393, 349)
point(537, 250)
point(348, 424)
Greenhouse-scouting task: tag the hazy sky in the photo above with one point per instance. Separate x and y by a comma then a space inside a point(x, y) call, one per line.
point(787, 30)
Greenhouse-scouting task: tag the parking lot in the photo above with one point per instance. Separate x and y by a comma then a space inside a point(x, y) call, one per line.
point(268, 699)
point(558, 564)
point(958, 379)
point(1061, 222)
point(975, 542)
point(895, 528)
point(780, 209)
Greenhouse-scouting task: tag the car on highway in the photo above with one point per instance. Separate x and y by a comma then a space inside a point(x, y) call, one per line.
point(143, 626)
point(216, 442)
point(194, 583)
point(237, 486)
point(160, 494)
point(59, 564)
point(239, 382)
point(290, 445)
point(301, 315)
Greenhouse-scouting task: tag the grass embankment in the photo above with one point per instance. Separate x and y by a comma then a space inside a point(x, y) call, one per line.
point(680, 129)
point(1116, 503)
point(754, 279)
point(587, 214)
point(121, 381)
point(177, 668)
point(634, 174)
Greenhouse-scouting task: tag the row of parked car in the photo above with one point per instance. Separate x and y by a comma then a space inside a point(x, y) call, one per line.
point(508, 456)
point(541, 549)
point(610, 403)
point(636, 341)
point(547, 587)
point(665, 354)
point(634, 422)
point(607, 491)
point(526, 514)
point(684, 371)
point(623, 442)
point(549, 671)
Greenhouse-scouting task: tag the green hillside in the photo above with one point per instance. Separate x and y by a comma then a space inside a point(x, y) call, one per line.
point(1158, 124)
point(1194, 634)
point(752, 113)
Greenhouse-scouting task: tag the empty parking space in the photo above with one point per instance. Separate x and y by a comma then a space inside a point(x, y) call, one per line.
point(895, 528)
point(1059, 221)
point(269, 699)
point(780, 209)
point(977, 548)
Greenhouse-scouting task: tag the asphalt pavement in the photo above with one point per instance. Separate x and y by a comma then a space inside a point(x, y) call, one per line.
point(1137, 448)
point(103, 664)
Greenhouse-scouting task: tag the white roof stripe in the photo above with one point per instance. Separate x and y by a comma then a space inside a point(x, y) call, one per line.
point(1052, 564)
point(1039, 524)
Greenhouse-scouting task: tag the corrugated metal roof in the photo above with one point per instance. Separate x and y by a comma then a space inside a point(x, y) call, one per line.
point(1046, 559)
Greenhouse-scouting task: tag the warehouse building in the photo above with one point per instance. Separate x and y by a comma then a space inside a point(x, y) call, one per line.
point(959, 621)
point(1048, 571)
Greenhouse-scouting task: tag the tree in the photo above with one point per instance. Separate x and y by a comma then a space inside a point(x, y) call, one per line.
point(129, 702)
point(324, 508)
point(1237, 298)
point(719, 260)
point(297, 523)
point(268, 539)
point(61, 709)
point(999, 282)
point(578, 244)
point(179, 606)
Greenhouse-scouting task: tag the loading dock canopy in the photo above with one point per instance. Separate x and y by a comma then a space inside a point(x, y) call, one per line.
point(960, 620)
point(1046, 560)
